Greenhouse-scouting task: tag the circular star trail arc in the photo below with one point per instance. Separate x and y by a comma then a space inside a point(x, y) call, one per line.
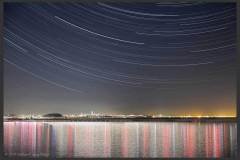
point(122, 45)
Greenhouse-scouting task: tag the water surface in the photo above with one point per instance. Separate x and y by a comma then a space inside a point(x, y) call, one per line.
point(120, 139)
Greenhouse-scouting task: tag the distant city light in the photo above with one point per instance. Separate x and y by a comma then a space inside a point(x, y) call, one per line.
point(101, 115)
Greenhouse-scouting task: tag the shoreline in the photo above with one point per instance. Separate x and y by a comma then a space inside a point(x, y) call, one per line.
point(127, 120)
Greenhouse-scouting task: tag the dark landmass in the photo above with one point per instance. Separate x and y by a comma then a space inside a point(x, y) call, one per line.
point(53, 115)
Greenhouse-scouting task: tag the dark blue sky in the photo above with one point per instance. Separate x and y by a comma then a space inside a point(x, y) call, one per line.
point(120, 58)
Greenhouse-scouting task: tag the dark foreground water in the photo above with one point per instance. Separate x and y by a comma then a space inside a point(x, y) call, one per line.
point(120, 139)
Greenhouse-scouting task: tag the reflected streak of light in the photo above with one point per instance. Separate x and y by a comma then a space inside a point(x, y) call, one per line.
point(124, 138)
point(166, 140)
point(145, 140)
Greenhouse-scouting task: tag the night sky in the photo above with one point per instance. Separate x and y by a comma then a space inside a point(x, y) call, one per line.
point(130, 58)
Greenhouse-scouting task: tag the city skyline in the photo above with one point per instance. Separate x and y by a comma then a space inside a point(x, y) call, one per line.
point(104, 114)
point(118, 58)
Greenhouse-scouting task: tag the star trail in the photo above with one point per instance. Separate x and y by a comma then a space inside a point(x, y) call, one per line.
point(169, 58)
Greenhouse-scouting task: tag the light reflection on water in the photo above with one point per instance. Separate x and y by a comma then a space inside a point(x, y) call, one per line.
point(120, 139)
